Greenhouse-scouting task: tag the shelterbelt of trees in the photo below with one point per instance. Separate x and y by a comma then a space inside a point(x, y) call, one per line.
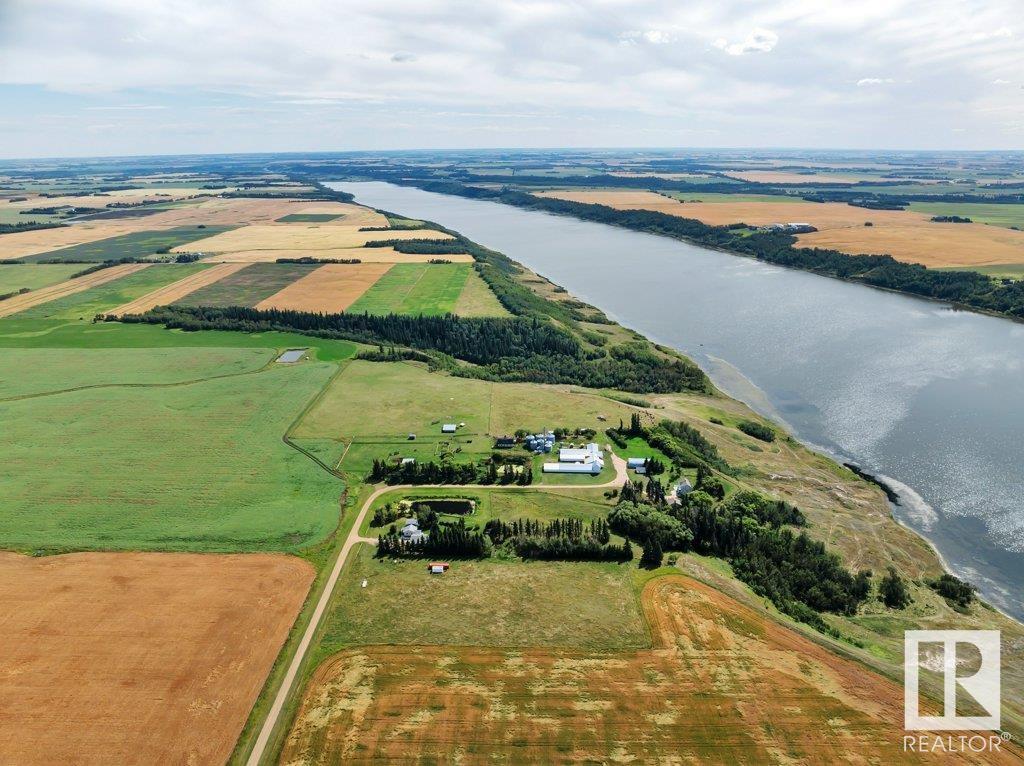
point(515, 349)
point(966, 288)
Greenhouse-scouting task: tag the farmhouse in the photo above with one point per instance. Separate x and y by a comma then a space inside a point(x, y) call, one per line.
point(411, 531)
point(635, 462)
point(683, 487)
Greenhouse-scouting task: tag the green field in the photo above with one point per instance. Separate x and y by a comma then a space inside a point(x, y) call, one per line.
point(415, 288)
point(34, 276)
point(33, 333)
point(97, 300)
point(309, 217)
point(478, 300)
point(248, 286)
point(483, 603)
point(29, 371)
point(199, 466)
point(1009, 216)
point(137, 245)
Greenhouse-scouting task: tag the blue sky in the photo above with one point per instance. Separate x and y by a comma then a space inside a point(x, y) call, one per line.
point(112, 77)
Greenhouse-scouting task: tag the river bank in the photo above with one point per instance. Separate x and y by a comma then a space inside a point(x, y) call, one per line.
point(905, 388)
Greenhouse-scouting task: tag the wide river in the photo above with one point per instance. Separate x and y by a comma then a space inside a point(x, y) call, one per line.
point(928, 397)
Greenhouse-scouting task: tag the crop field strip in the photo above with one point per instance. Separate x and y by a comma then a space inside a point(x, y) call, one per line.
point(330, 289)
point(415, 288)
point(721, 684)
point(904, 234)
point(309, 239)
point(139, 244)
point(62, 290)
point(309, 217)
point(35, 275)
point(99, 299)
point(138, 657)
point(249, 285)
point(177, 290)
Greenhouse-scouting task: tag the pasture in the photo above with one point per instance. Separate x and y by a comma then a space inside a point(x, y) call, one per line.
point(131, 281)
point(483, 603)
point(193, 467)
point(248, 286)
point(138, 657)
point(34, 276)
point(478, 300)
point(415, 288)
point(330, 289)
point(139, 244)
point(33, 371)
point(719, 683)
point(1008, 216)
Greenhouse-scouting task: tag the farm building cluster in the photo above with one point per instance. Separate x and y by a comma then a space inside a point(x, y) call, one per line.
point(589, 459)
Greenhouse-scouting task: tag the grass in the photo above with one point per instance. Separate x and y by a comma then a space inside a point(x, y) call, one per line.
point(135, 245)
point(34, 276)
point(196, 467)
point(309, 217)
point(991, 213)
point(248, 286)
point(478, 300)
point(32, 371)
point(483, 603)
point(415, 288)
point(97, 300)
point(1001, 270)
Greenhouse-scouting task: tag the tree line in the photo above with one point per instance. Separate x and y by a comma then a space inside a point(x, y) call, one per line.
point(559, 539)
point(502, 349)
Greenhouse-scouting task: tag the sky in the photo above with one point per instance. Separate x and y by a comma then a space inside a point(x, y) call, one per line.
point(124, 77)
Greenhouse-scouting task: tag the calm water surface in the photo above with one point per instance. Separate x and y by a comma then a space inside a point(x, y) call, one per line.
point(929, 397)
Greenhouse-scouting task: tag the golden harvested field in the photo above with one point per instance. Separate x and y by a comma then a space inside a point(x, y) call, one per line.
point(72, 286)
point(330, 289)
point(903, 234)
point(129, 196)
point(172, 292)
point(311, 238)
point(138, 658)
point(721, 684)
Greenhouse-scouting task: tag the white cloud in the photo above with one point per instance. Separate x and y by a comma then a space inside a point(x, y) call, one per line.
point(758, 41)
point(403, 56)
point(1001, 82)
point(866, 82)
point(1002, 32)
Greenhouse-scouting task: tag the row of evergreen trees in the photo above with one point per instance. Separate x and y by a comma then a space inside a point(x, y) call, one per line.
point(559, 539)
point(448, 472)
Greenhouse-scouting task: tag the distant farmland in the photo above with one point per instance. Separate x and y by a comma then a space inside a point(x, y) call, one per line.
point(415, 288)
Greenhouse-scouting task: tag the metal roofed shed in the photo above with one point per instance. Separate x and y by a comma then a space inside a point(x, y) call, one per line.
point(448, 428)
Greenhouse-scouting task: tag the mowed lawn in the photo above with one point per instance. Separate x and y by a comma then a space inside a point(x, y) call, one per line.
point(198, 467)
point(483, 603)
point(29, 371)
point(136, 245)
point(249, 286)
point(97, 300)
point(415, 288)
point(33, 276)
